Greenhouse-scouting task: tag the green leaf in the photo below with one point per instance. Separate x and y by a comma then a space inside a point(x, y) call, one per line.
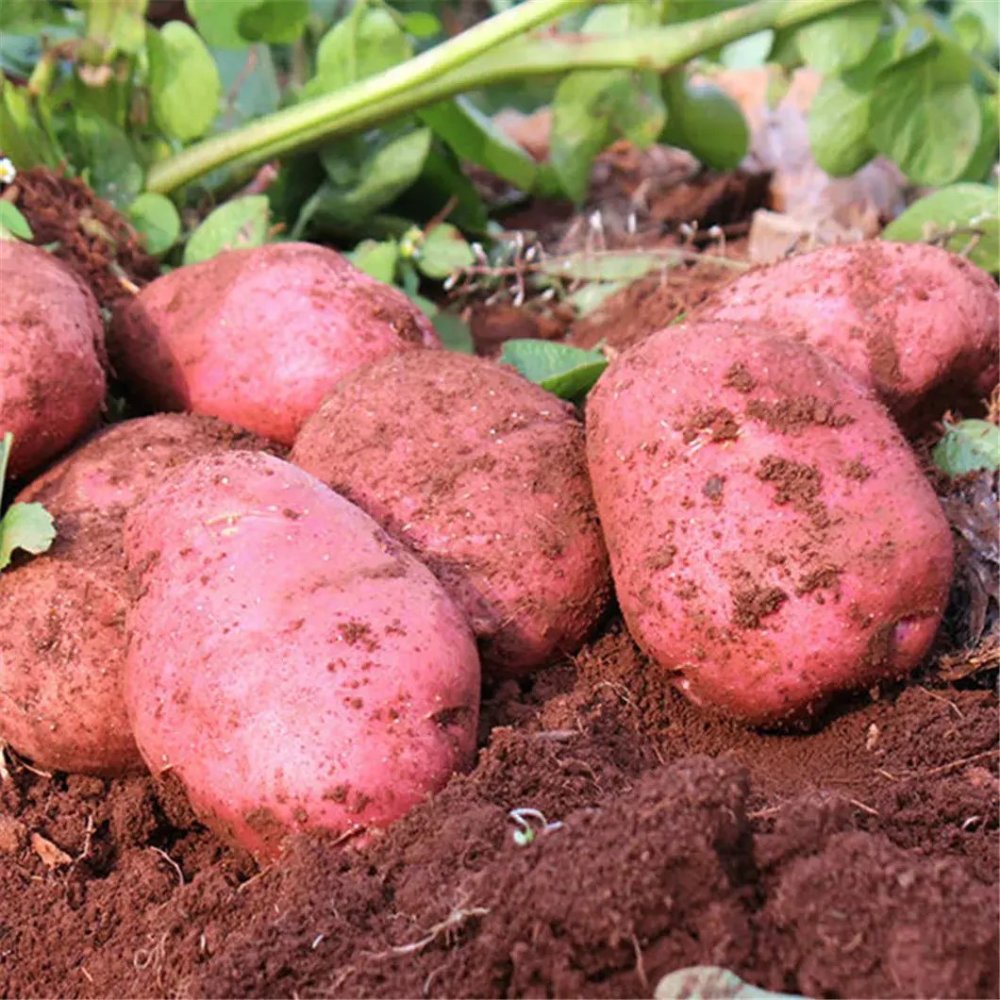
point(26, 526)
point(454, 333)
point(249, 83)
point(115, 26)
point(360, 45)
point(705, 120)
point(23, 17)
point(474, 137)
point(981, 164)
point(440, 181)
point(421, 24)
point(13, 223)
point(156, 219)
point(749, 52)
point(113, 170)
point(376, 259)
point(592, 107)
point(237, 225)
point(443, 251)
point(960, 208)
point(233, 24)
point(184, 84)
point(841, 40)
point(588, 297)
point(838, 127)
point(356, 190)
point(924, 114)
point(968, 446)
point(708, 982)
point(568, 372)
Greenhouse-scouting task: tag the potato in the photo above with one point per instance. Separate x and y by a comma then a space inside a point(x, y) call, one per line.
point(294, 666)
point(915, 322)
point(51, 348)
point(483, 475)
point(62, 623)
point(772, 538)
point(258, 337)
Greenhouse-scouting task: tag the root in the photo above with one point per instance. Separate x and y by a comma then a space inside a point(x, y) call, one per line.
point(447, 929)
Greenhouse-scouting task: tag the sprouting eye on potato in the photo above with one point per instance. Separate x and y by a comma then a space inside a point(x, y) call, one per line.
point(483, 475)
point(916, 323)
point(51, 351)
point(294, 666)
point(772, 538)
point(62, 614)
point(258, 337)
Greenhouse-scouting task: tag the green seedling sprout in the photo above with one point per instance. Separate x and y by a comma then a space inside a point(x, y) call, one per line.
point(527, 831)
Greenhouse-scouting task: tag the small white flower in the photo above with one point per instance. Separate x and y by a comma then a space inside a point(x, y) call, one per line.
point(7, 171)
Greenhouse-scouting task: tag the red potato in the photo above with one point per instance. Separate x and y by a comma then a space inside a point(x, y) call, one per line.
point(918, 324)
point(258, 337)
point(483, 475)
point(289, 662)
point(62, 614)
point(772, 538)
point(51, 346)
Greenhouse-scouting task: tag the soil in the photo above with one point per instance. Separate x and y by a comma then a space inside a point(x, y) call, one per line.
point(88, 234)
point(858, 860)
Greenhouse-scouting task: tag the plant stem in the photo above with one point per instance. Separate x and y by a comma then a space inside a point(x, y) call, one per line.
point(476, 58)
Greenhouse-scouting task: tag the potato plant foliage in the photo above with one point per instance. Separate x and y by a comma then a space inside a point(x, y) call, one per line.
point(163, 117)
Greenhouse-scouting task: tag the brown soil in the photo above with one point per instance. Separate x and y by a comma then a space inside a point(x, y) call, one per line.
point(860, 860)
point(90, 235)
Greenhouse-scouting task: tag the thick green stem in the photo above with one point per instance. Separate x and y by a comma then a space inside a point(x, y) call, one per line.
point(448, 70)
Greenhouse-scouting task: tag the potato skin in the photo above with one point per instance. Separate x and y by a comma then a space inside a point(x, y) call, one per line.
point(772, 538)
point(62, 614)
point(51, 351)
point(483, 475)
point(258, 337)
point(294, 666)
point(916, 323)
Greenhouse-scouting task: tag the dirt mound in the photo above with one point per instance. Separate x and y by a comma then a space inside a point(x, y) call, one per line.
point(859, 860)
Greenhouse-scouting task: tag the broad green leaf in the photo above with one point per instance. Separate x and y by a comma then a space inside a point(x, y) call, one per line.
point(588, 297)
point(12, 223)
point(454, 333)
point(749, 52)
point(236, 225)
point(840, 40)
point(962, 208)
point(708, 982)
point(421, 24)
point(474, 137)
point(115, 26)
point(925, 116)
point(234, 24)
point(705, 120)
point(155, 218)
point(23, 17)
point(968, 446)
point(443, 251)
point(440, 181)
point(249, 83)
point(592, 107)
point(356, 189)
point(987, 12)
point(980, 166)
point(365, 42)
point(377, 259)
point(568, 372)
point(838, 127)
point(184, 85)
point(26, 526)
point(113, 169)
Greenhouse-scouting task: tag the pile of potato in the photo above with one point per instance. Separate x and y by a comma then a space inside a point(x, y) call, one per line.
point(301, 636)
